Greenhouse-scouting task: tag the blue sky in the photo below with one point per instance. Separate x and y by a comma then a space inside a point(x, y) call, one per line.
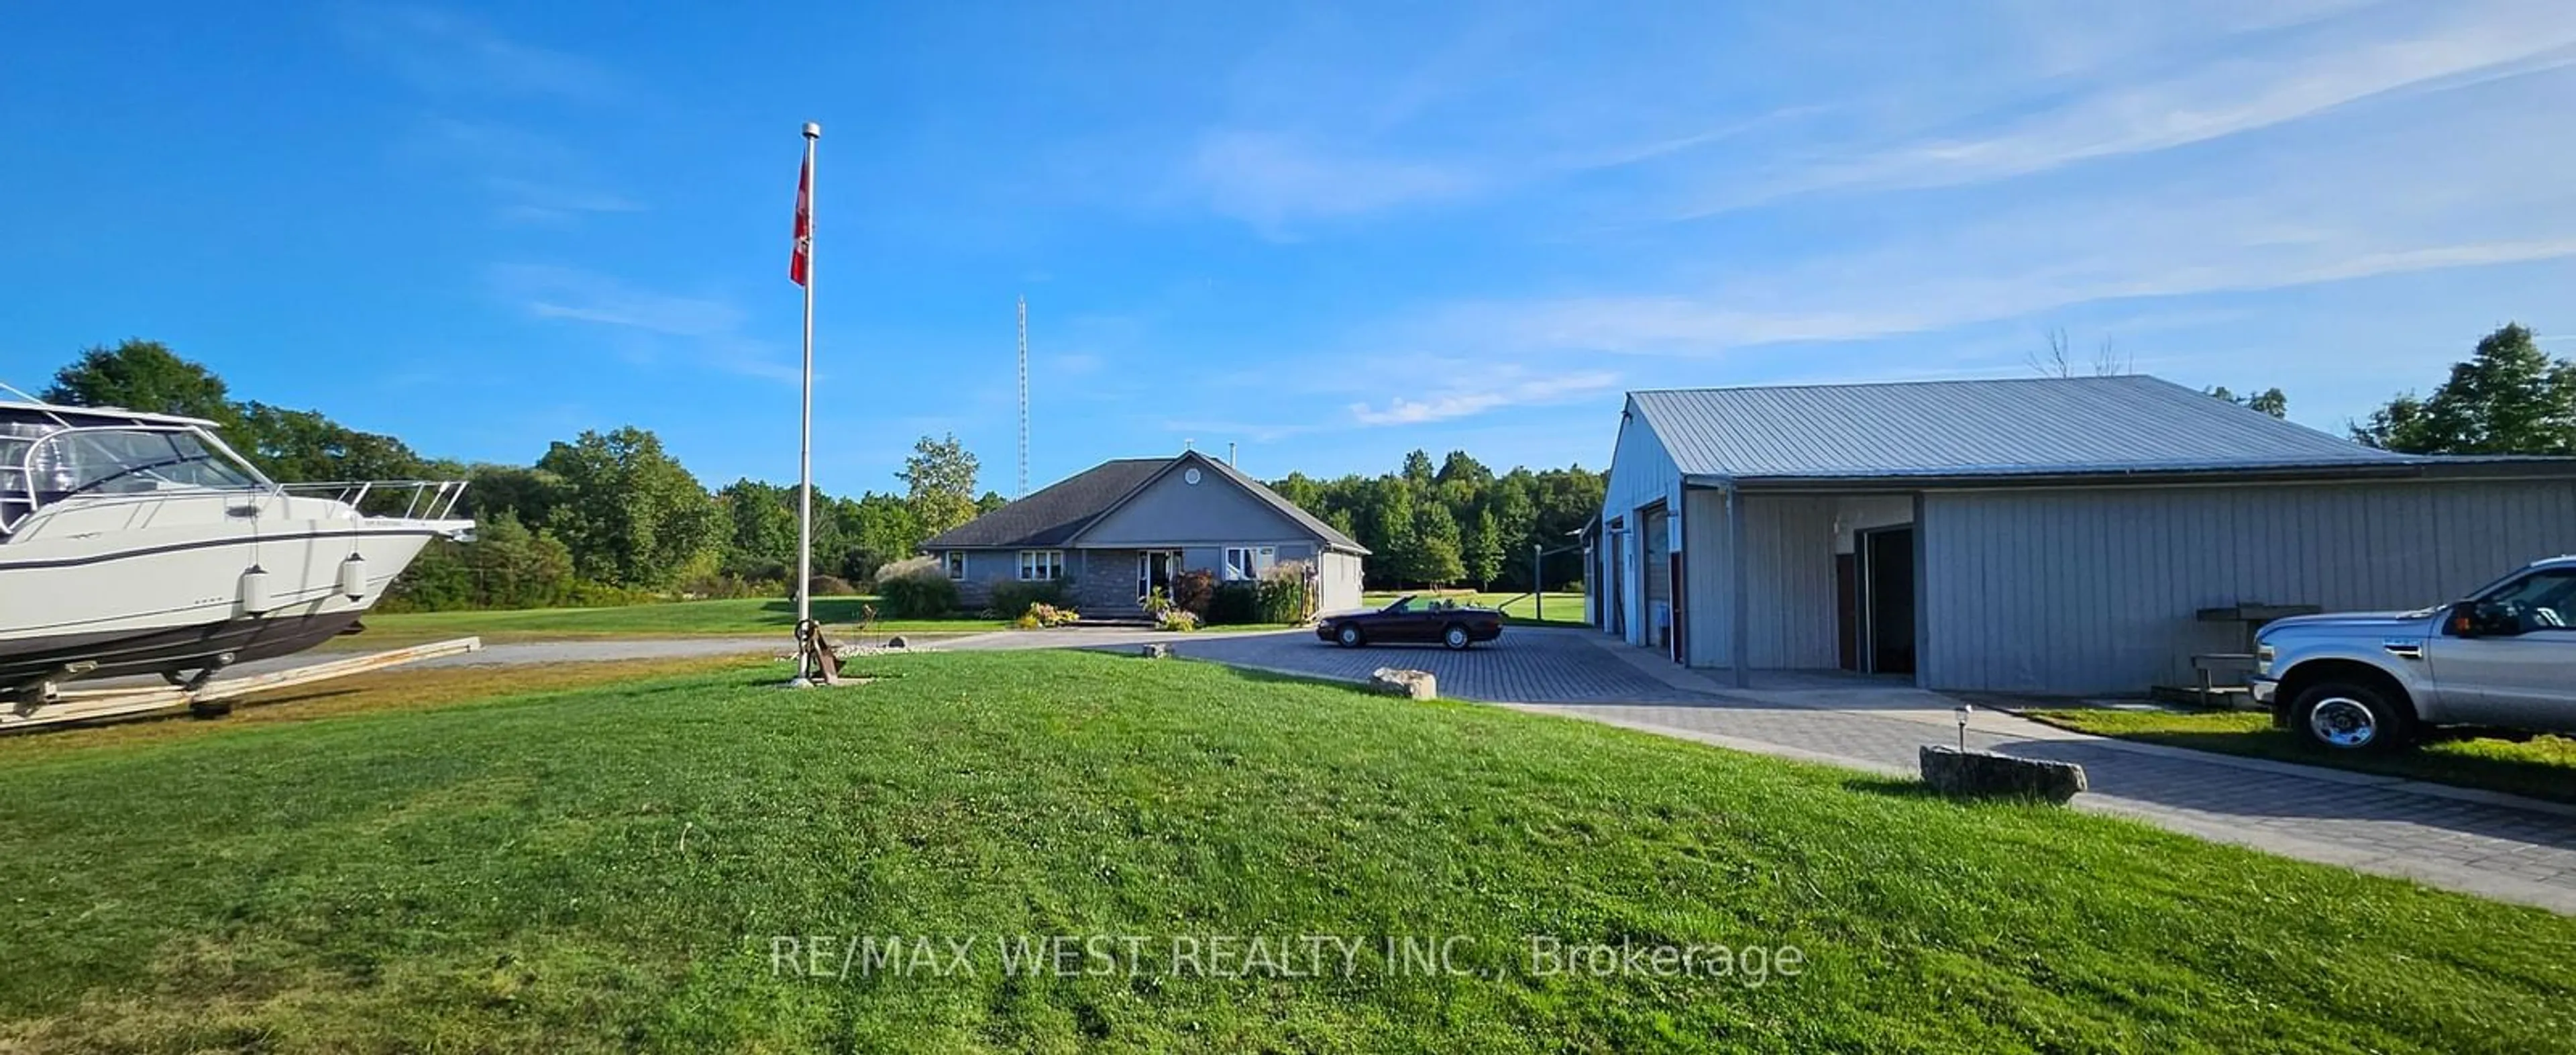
point(1328, 234)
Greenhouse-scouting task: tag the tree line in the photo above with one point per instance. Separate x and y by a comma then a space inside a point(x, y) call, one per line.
point(611, 516)
point(1458, 523)
point(605, 517)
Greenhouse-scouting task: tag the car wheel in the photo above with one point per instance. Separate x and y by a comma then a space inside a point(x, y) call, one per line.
point(2350, 716)
point(1350, 637)
point(1455, 637)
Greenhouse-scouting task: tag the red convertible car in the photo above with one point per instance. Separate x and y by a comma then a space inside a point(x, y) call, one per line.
point(1411, 619)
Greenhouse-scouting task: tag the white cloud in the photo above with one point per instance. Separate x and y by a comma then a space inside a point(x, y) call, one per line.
point(705, 330)
point(1477, 399)
point(1273, 179)
point(530, 176)
point(449, 54)
point(2223, 91)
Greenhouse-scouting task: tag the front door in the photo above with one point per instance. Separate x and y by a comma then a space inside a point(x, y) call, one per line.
point(2523, 676)
point(1154, 569)
point(1887, 599)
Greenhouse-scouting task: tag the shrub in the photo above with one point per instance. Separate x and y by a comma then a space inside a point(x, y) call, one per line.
point(1193, 591)
point(1235, 602)
point(1049, 615)
point(830, 586)
point(1179, 620)
point(1281, 596)
point(1156, 603)
point(1011, 596)
point(916, 589)
point(1029, 621)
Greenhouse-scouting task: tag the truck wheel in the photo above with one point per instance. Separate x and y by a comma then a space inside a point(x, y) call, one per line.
point(2350, 716)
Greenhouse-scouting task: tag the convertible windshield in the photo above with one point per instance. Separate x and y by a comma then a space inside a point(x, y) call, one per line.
point(1402, 604)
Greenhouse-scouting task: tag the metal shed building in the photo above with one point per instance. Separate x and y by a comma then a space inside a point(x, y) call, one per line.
point(2052, 536)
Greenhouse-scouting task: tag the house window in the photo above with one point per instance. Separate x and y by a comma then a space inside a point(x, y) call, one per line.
point(1041, 565)
point(955, 560)
point(1248, 562)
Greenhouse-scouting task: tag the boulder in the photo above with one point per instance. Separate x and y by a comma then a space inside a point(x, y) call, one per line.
point(1155, 651)
point(894, 642)
point(1951, 771)
point(1412, 684)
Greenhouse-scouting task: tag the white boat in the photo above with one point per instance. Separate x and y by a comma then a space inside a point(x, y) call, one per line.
point(135, 543)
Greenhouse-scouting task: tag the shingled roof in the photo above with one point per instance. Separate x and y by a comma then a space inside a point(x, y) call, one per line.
point(1054, 514)
point(1057, 514)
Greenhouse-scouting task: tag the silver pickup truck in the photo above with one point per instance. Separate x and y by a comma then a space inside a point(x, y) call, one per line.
point(2503, 658)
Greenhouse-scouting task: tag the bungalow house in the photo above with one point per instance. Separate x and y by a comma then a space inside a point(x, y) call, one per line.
point(1124, 528)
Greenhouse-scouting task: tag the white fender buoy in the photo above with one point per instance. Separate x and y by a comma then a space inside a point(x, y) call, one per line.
point(353, 577)
point(254, 592)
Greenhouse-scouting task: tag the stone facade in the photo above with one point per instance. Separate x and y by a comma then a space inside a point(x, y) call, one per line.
point(1104, 582)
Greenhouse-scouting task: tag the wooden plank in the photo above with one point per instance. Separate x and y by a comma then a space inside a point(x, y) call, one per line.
point(81, 705)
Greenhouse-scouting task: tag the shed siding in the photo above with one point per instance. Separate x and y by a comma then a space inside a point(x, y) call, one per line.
point(1790, 562)
point(1641, 474)
point(1338, 582)
point(2094, 590)
point(1789, 566)
point(1708, 576)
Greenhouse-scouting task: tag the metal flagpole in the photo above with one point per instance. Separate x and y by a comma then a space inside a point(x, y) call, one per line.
point(805, 667)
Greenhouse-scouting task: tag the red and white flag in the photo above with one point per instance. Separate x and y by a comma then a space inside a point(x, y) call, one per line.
point(797, 263)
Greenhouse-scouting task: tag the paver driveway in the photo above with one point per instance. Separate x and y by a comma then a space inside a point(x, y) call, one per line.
point(1523, 667)
point(2465, 840)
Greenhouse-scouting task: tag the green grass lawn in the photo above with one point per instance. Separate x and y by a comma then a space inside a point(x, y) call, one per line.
point(745, 616)
point(2542, 767)
point(606, 868)
point(1562, 609)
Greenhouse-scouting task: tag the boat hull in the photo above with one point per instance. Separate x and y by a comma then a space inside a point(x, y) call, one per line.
point(176, 602)
point(175, 650)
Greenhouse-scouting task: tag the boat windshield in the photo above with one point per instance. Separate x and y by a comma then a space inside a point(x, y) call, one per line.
point(131, 461)
point(39, 466)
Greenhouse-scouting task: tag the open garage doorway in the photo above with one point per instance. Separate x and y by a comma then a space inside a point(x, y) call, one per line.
point(1886, 599)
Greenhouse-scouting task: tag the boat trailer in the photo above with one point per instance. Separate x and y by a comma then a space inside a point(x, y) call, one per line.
point(44, 705)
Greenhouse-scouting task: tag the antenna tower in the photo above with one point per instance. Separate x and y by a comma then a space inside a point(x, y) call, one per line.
point(1024, 398)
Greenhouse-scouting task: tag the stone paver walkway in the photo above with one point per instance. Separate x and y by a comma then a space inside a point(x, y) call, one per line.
point(2494, 845)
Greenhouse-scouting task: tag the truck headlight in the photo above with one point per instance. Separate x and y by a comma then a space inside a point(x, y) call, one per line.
point(2263, 660)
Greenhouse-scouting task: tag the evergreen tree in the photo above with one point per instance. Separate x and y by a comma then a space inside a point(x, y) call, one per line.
point(1484, 556)
point(1436, 545)
point(1417, 469)
point(1395, 540)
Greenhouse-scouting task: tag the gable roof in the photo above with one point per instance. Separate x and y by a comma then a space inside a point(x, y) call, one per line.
point(2030, 426)
point(1286, 508)
point(1058, 514)
point(1054, 514)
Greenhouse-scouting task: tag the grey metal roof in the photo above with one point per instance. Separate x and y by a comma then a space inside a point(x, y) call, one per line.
point(2121, 424)
point(1057, 515)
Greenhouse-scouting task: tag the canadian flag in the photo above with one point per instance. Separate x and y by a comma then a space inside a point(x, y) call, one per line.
point(797, 264)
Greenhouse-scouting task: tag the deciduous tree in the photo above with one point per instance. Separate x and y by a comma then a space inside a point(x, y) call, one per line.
point(631, 514)
point(1436, 559)
point(2508, 398)
point(940, 483)
point(2270, 401)
point(144, 375)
